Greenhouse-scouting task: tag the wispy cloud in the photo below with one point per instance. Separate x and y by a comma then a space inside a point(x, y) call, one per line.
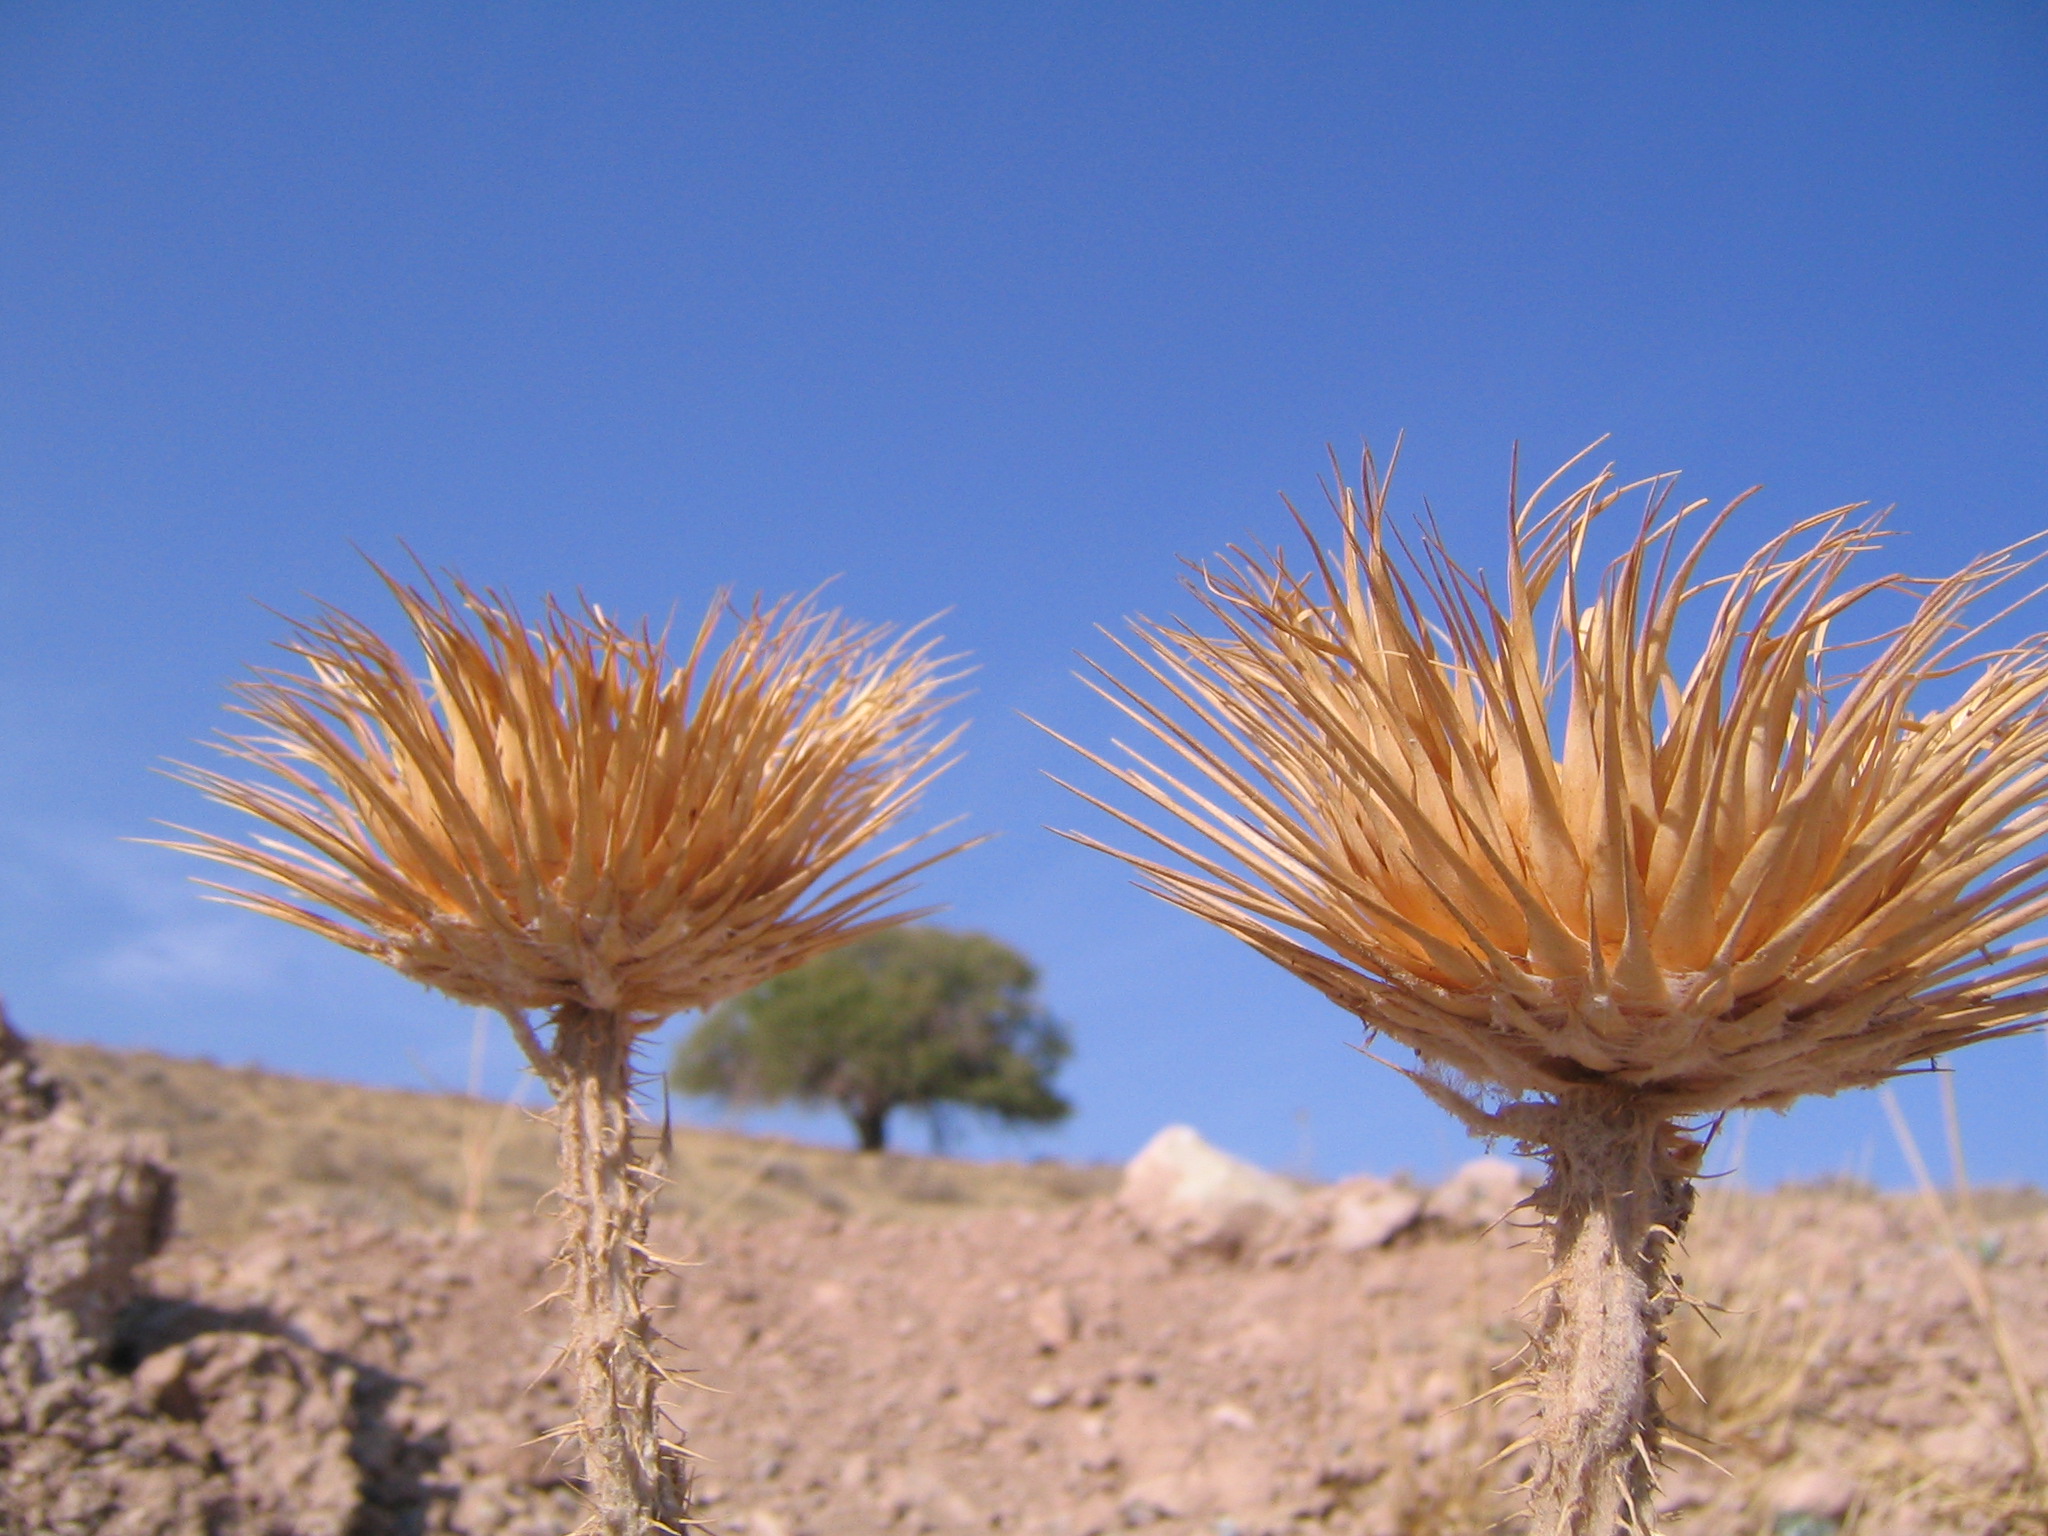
point(110, 942)
point(122, 917)
point(186, 956)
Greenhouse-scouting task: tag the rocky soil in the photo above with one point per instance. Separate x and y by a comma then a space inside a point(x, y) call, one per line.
point(1214, 1352)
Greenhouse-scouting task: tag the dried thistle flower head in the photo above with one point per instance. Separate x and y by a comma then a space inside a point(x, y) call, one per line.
point(1509, 830)
point(558, 815)
point(557, 818)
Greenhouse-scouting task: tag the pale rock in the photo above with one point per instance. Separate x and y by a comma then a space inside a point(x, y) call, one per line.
point(1366, 1214)
point(1980, 1450)
point(923, 1500)
point(1054, 1320)
point(1138, 1511)
point(1194, 1196)
point(1232, 1416)
point(1165, 1496)
point(1821, 1492)
point(1479, 1194)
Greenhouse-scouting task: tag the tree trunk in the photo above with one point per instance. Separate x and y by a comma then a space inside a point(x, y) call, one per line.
point(634, 1475)
point(1618, 1196)
point(871, 1125)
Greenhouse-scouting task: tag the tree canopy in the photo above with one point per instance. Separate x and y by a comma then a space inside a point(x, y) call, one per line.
point(910, 1018)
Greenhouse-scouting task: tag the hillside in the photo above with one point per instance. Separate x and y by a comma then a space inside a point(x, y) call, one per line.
point(906, 1346)
point(251, 1145)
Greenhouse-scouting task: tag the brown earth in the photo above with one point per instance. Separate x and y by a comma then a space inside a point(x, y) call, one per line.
point(1053, 1370)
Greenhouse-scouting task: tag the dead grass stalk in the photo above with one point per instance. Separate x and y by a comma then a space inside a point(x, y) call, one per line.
point(1965, 1258)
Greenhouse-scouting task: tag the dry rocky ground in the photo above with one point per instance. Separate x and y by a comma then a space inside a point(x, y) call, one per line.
point(1265, 1360)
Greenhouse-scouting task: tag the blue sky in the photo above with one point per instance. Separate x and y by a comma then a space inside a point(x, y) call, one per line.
point(996, 309)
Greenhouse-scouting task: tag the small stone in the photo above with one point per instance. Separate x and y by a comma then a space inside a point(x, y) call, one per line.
point(1817, 1492)
point(1371, 1215)
point(1195, 1197)
point(1798, 1523)
point(1046, 1395)
point(1231, 1416)
point(1479, 1194)
point(1163, 1497)
point(1054, 1319)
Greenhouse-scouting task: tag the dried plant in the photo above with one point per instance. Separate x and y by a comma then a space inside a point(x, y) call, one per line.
point(558, 818)
point(1598, 894)
point(484, 1130)
point(1966, 1256)
point(1747, 1350)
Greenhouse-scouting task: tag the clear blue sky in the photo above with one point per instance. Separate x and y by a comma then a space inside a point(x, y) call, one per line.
point(993, 308)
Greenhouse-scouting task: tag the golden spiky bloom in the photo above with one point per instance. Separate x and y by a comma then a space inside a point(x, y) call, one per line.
point(560, 815)
point(558, 818)
point(1511, 831)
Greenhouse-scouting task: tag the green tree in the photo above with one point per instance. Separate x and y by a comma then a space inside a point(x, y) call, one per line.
point(911, 1018)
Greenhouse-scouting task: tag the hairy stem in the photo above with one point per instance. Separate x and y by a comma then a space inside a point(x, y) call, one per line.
point(634, 1475)
point(1617, 1198)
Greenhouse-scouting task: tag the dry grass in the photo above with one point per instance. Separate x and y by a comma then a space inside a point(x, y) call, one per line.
point(1743, 1354)
point(1962, 1242)
point(250, 1146)
point(1781, 1342)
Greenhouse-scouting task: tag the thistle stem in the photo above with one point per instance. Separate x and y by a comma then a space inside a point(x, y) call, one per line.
point(634, 1476)
point(1617, 1198)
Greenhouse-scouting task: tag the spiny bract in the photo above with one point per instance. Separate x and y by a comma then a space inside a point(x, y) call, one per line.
point(559, 816)
point(1513, 834)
